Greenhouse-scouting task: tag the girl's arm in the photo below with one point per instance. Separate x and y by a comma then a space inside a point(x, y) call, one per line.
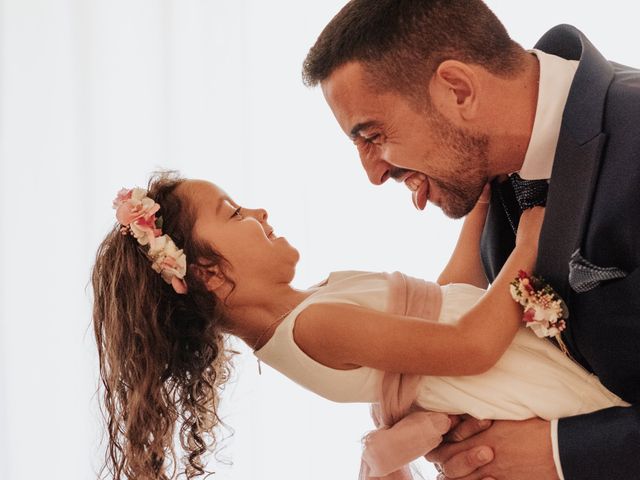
point(346, 336)
point(465, 264)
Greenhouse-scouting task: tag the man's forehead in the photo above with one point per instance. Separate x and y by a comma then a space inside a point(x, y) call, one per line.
point(345, 82)
point(353, 103)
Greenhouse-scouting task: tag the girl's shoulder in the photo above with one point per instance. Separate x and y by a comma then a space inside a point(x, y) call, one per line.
point(349, 276)
point(367, 289)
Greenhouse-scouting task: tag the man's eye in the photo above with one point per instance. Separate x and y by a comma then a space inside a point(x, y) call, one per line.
point(372, 138)
point(368, 142)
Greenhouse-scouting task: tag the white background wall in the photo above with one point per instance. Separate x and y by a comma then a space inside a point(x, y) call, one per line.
point(96, 94)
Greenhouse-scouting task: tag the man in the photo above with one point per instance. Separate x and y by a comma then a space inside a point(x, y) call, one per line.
point(435, 94)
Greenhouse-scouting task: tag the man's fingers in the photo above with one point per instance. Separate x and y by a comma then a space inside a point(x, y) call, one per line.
point(457, 460)
point(443, 453)
point(467, 462)
point(442, 477)
point(467, 428)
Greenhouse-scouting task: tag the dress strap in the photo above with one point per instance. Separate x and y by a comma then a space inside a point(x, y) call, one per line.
point(414, 297)
point(402, 435)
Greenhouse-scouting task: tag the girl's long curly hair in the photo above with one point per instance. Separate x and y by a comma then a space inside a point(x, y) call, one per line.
point(163, 356)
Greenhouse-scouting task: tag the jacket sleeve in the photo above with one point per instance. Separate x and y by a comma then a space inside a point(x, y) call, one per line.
point(606, 444)
point(601, 445)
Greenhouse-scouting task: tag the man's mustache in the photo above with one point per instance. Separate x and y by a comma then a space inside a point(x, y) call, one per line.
point(398, 174)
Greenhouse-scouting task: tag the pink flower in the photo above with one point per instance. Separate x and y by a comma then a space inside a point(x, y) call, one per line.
point(528, 315)
point(122, 196)
point(144, 234)
point(144, 229)
point(134, 208)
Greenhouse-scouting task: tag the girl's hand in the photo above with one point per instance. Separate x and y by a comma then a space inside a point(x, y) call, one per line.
point(481, 207)
point(465, 264)
point(529, 228)
point(485, 196)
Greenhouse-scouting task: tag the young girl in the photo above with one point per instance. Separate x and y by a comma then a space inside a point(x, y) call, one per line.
point(186, 266)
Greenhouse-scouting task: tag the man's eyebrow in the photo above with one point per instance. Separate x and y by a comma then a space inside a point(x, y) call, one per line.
point(355, 131)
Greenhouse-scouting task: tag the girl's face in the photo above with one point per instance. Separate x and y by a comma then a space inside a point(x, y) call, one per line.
point(242, 236)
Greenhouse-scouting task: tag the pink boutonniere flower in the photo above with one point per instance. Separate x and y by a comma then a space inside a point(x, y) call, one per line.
point(544, 311)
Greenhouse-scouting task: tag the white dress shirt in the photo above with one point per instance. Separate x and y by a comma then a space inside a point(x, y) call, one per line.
point(556, 76)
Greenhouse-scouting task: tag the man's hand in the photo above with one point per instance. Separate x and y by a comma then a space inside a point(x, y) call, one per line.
point(507, 450)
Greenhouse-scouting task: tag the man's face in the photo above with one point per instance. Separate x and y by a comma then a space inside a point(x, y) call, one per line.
point(395, 138)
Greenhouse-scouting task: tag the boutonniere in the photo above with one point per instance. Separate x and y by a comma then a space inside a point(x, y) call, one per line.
point(544, 310)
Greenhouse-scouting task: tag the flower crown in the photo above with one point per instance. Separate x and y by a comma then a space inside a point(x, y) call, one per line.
point(136, 213)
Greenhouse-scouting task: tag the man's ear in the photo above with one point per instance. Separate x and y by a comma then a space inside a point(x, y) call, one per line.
point(454, 90)
point(211, 276)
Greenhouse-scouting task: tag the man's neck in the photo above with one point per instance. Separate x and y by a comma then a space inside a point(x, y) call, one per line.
point(514, 114)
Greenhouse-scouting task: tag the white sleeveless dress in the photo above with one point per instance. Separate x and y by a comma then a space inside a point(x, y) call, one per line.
point(532, 379)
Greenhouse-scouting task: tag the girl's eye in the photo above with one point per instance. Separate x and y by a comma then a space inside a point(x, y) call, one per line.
point(237, 212)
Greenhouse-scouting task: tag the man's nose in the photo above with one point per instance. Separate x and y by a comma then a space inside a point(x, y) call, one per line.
point(377, 170)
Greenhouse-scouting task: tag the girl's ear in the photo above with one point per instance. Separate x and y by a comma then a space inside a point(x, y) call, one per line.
point(211, 276)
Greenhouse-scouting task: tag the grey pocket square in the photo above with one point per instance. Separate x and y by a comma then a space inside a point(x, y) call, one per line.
point(585, 276)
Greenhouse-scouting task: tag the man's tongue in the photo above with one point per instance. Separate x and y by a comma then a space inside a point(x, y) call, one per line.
point(420, 195)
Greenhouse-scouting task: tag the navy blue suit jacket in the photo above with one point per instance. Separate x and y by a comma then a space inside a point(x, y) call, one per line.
point(594, 206)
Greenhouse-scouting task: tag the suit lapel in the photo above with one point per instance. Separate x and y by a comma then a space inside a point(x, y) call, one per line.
point(568, 206)
point(498, 239)
point(577, 158)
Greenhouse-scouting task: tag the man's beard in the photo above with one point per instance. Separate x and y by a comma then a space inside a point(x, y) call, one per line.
point(466, 162)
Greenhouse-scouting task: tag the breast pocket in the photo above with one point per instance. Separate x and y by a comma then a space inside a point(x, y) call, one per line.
point(585, 275)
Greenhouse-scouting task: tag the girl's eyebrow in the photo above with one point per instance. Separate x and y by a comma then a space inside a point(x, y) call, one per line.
point(221, 201)
point(219, 205)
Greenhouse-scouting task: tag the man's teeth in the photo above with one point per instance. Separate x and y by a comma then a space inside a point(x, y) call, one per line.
point(414, 181)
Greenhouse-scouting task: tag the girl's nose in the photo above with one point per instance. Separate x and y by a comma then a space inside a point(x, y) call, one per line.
point(259, 214)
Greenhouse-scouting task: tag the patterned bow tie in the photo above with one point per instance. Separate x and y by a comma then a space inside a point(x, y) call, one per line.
point(529, 193)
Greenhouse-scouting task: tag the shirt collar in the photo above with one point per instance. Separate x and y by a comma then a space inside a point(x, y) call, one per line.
point(556, 76)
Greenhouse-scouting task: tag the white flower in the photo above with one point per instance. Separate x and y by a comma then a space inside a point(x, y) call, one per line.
point(541, 329)
point(543, 314)
point(553, 332)
point(138, 194)
point(143, 235)
point(519, 291)
point(168, 260)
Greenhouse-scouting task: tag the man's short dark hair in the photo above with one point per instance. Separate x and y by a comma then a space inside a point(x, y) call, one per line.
point(400, 43)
